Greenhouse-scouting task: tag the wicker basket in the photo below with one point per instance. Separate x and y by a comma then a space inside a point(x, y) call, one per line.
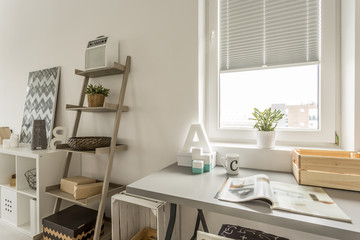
point(88, 143)
point(95, 100)
point(30, 176)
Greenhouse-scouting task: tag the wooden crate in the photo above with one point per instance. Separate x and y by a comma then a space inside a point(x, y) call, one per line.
point(324, 168)
point(146, 233)
point(131, 214)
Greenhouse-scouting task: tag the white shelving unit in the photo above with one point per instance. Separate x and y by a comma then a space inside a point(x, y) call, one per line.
point(17, 203)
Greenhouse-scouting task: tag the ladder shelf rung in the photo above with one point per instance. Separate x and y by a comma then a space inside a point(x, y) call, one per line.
point(56, 192)
point(108, 107)
point(97, 151)
point(102, 72)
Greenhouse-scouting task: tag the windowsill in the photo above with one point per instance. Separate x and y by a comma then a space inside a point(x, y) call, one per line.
point(274, 159)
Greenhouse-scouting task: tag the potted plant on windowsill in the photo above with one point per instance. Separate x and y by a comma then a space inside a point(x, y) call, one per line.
point(266, 122)
point(96, 95)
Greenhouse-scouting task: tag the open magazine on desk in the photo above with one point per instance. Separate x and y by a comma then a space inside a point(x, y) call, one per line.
point(313, 201)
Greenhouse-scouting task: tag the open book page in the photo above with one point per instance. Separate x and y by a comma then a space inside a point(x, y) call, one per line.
point(313, 201)
point(246, 189)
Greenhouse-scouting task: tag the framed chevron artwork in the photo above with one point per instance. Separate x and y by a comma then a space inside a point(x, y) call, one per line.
point(40, 101)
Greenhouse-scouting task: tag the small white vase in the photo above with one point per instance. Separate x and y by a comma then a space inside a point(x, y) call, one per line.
point(265, 139)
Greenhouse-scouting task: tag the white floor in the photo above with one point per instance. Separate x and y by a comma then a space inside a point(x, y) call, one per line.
point(8, 233)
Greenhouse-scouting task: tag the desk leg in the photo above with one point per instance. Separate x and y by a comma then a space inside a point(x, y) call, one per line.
point(171, 224)
point(200, 218)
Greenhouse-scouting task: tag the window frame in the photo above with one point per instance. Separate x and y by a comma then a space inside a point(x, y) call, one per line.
point(328, 80)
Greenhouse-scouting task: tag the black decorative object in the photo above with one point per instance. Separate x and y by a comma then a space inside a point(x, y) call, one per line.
point(38, 136)
point(75, 222)
point(238, 232)
point(30, 176)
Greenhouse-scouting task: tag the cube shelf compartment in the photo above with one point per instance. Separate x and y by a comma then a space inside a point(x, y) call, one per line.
point(22, 206)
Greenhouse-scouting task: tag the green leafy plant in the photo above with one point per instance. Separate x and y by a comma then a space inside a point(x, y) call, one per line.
point(266, 120)
point(99, 89)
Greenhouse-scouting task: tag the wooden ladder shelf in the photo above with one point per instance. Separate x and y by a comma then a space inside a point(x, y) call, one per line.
point(108, 189)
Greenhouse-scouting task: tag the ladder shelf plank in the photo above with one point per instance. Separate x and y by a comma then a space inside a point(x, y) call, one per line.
point(108, 107)
point(56, 192)
point(102, 72)
point(97, 151)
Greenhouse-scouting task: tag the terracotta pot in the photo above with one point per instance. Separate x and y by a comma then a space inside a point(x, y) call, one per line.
point(265, 139)
point(95, 100)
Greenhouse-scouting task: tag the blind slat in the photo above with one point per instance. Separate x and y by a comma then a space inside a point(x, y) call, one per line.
point(254, 33)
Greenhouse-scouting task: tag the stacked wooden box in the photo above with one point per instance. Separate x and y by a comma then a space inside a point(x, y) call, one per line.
point(324, 168)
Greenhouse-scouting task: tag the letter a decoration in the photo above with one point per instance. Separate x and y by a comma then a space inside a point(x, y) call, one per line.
point(202, 140)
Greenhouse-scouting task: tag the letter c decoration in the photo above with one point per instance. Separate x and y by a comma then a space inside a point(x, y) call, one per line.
point(231, 165)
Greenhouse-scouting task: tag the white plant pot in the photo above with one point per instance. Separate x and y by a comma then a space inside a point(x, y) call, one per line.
point(265, 139)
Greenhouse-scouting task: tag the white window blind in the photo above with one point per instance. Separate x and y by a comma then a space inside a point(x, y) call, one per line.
point(260, 33)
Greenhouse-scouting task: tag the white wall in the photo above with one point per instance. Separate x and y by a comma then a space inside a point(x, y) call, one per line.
point(161, 36)
point(350, 75)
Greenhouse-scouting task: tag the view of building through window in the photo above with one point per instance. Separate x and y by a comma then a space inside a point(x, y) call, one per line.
point(293, 90)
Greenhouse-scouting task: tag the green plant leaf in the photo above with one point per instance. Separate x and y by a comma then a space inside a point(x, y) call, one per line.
point(266, 120)
point(99, 89)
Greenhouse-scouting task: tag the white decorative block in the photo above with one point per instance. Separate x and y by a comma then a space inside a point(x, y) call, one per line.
point(202, 141)
point(197, 166)
point(184, 159)
point(196, 153)
point(208, 158)
point(212, 157)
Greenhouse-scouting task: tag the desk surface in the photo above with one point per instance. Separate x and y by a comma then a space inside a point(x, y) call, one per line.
point(178, 185)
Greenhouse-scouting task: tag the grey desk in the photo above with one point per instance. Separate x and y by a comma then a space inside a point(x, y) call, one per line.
point(178, 185)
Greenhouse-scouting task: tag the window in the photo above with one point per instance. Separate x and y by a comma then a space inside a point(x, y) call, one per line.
point(272, 53)
point(290, 89)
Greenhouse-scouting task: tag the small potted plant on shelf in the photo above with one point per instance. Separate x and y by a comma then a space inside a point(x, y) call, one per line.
point(266, 122)
point(96, 95)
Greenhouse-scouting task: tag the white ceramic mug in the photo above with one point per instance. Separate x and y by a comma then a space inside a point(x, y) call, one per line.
point(231, 163)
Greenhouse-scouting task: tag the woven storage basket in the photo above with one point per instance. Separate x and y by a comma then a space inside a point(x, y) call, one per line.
point(30, 176)
point(88, 143)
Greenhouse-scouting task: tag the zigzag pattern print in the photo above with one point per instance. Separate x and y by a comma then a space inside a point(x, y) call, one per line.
point(40, 101)
point(50, 234)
